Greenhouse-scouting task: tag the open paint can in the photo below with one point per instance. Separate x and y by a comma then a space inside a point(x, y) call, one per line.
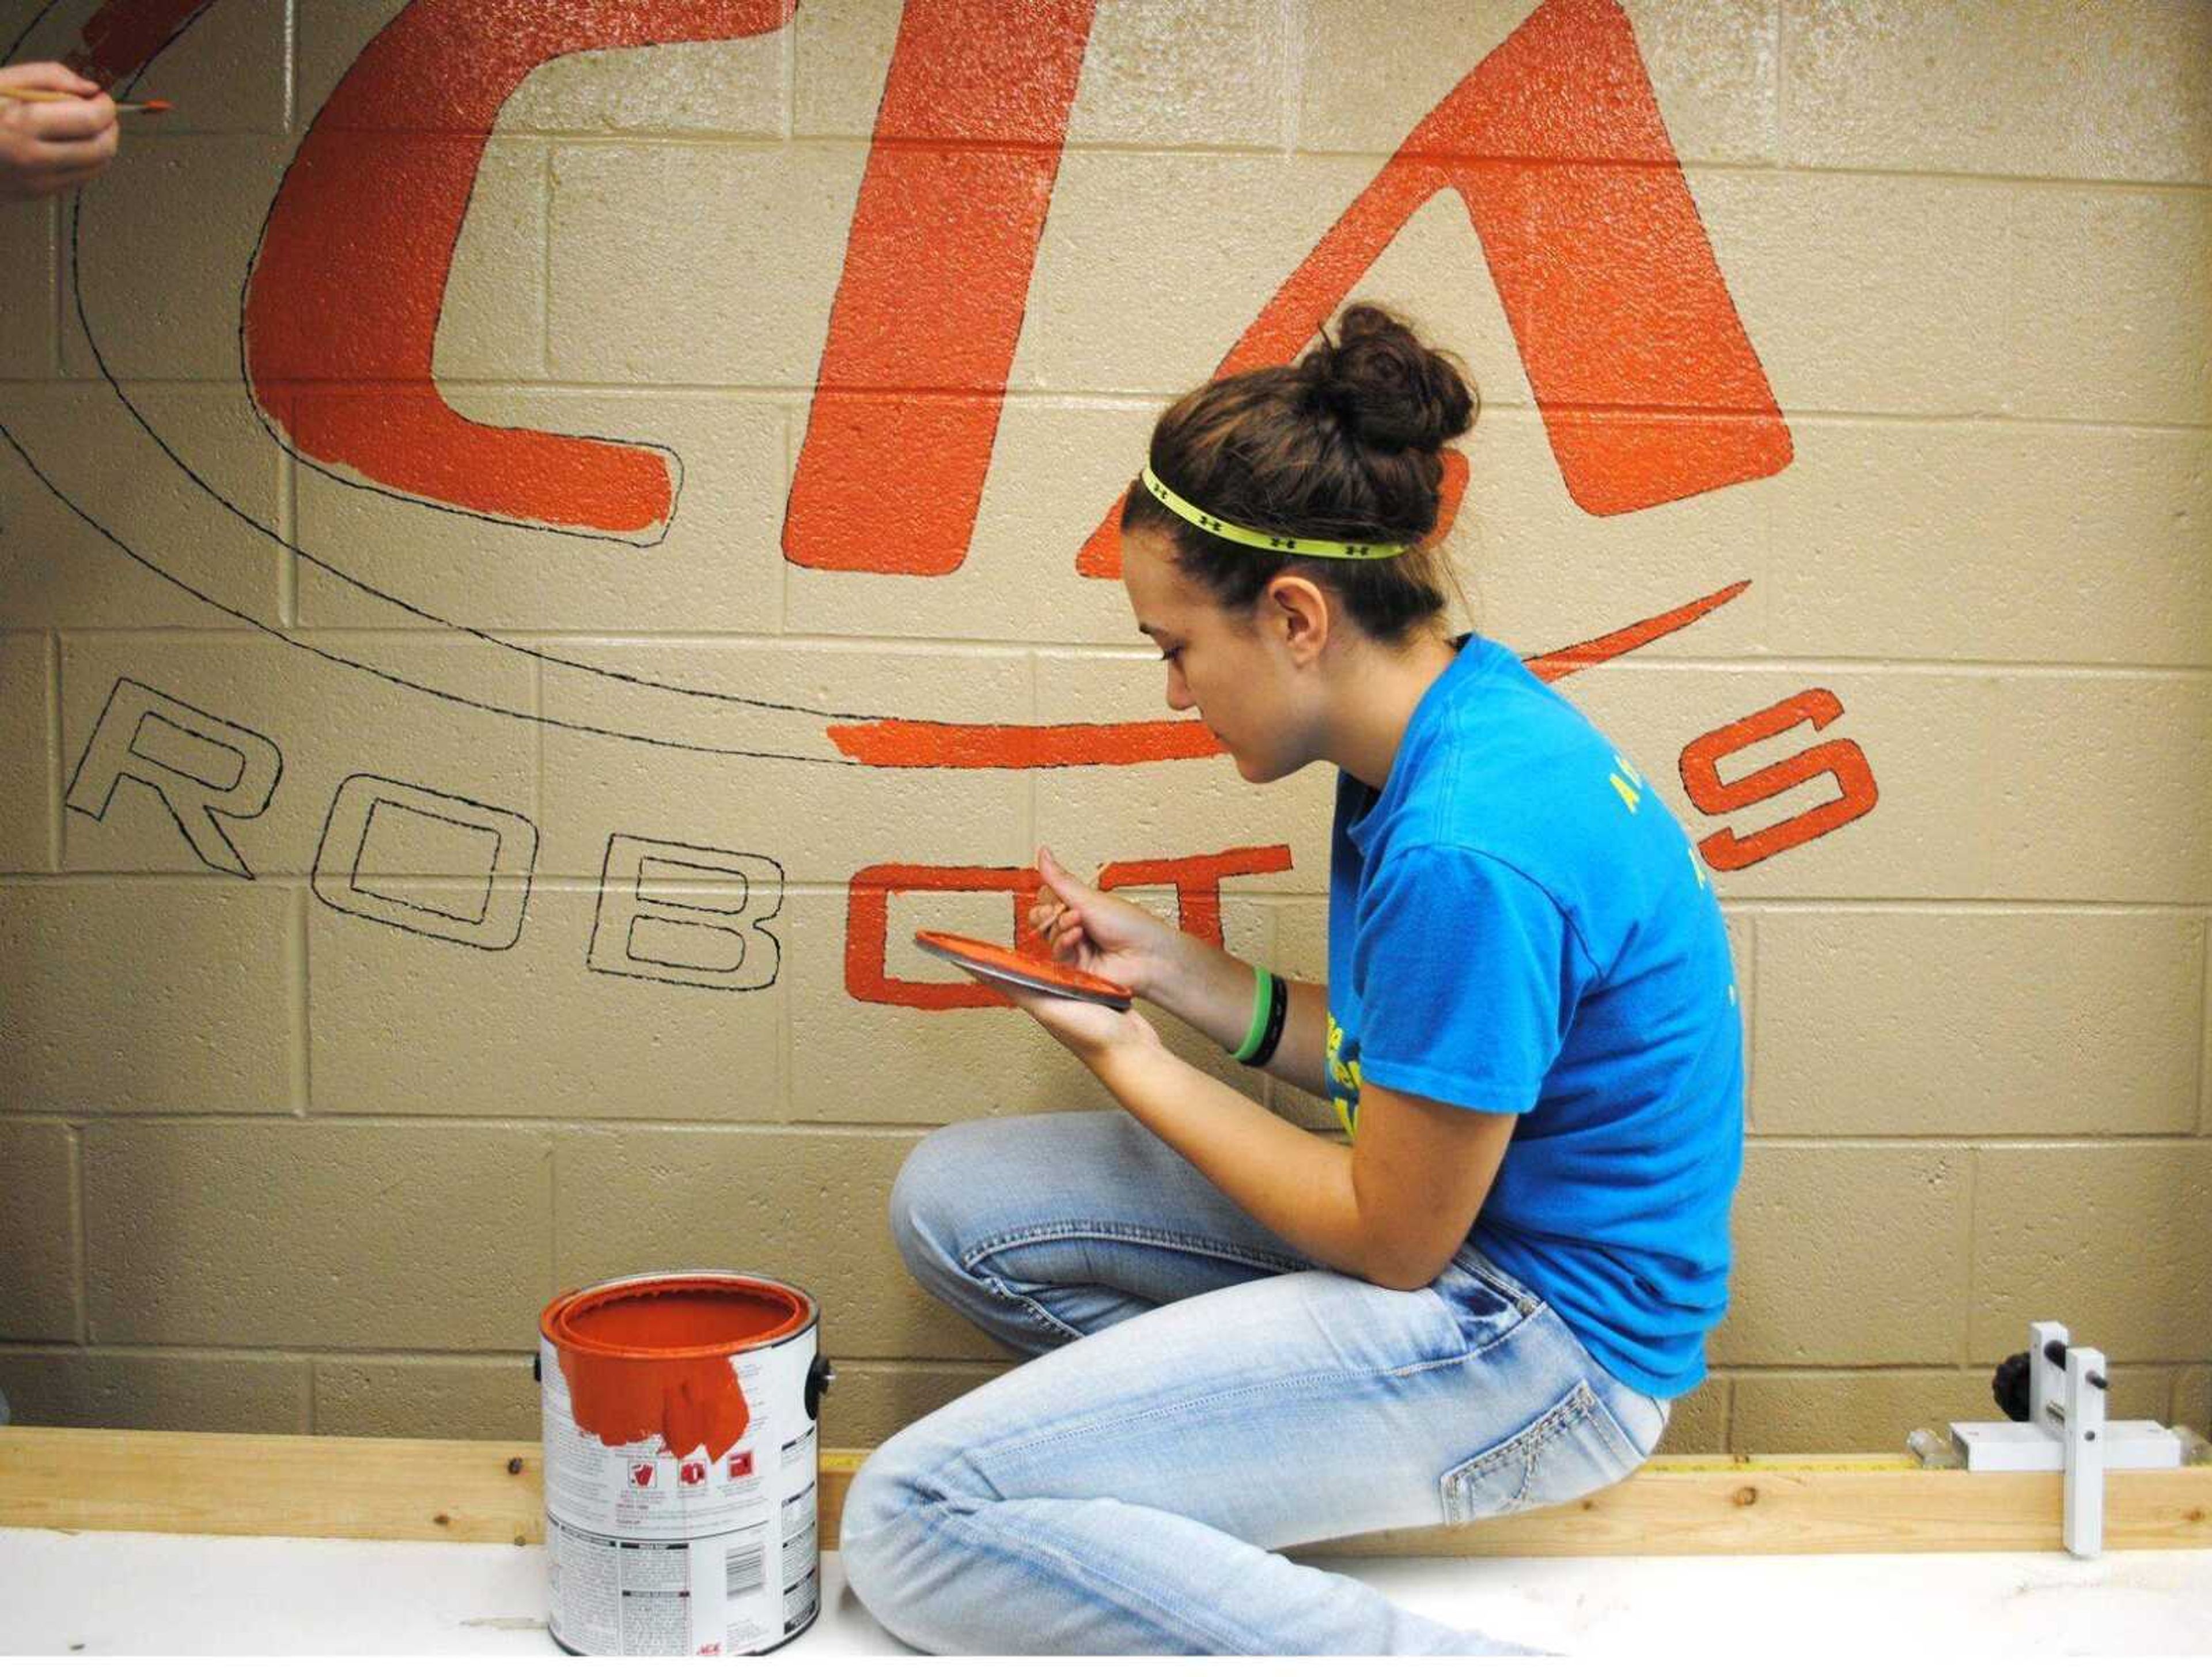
point(681, 1464)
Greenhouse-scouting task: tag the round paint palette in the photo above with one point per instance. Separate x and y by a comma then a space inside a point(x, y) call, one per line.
point(1013, 967)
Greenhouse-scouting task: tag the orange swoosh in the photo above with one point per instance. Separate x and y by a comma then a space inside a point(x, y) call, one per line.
point(897, 743)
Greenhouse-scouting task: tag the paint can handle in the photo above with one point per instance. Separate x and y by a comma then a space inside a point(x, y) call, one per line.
point(820, 1377)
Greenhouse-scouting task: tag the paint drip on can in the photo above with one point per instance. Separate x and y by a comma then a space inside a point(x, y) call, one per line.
point(681, 1464)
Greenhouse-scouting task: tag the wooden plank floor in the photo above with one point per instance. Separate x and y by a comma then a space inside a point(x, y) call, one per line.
point(86, 1480)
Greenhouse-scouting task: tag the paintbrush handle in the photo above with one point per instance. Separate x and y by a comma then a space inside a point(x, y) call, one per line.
point(48, 96)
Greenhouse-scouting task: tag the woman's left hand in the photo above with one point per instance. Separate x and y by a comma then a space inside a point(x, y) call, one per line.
point(1090, 1030)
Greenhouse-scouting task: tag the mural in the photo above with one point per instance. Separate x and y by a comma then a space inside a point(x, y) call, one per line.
point(1649, 390)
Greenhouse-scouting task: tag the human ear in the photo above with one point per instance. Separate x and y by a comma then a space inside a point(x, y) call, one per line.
point(1301, 609)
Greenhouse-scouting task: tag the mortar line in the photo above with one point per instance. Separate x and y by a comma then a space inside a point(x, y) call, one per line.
point(302, 1059)
point(2204, 1038)
point(1964, 906)
point(1137, 398)
point(77, 1219)
point(57, 785)
point(1132, 653)
point(1973, 1244)
point(58, 309)
point(545, 266)
point(825, 142)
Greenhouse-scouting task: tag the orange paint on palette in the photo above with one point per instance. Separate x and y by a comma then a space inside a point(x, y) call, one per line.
point(1015, 967)
point(652, 1357)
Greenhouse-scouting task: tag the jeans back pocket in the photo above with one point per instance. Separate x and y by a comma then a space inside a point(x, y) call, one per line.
point(1572, 1450)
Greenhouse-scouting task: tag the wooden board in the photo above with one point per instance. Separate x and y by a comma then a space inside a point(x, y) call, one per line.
point(249, 1485)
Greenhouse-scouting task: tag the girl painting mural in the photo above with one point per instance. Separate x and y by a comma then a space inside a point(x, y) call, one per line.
point(1252, 1336)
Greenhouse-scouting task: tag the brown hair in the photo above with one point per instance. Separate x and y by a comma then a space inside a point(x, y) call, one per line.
point(1342, 444)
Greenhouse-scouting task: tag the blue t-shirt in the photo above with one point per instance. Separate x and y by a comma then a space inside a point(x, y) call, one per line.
point(1517, 924)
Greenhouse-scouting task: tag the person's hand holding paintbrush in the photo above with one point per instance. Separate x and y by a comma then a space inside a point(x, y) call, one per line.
point(57, 130)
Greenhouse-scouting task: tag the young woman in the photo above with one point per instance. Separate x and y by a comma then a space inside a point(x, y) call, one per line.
point(1259, 1336)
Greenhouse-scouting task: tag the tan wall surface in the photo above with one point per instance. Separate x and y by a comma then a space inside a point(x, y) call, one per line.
point(309, 1104)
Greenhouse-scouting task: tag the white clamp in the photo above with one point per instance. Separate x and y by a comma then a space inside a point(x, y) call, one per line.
point(2066, 1429)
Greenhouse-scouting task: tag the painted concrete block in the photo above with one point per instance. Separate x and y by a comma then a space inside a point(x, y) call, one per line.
point(1191, 806)
point(2099, 792)
point(2193, 1400)
point(153, 727)
point(821, 813)
point(1876, 1409)
point(37, 1229)
point(491, 318)
point(2111, 300)
point(159, 1390)
point(201, 201)
point(1104, 265)
point(1712, 70)
point(1541, 574)
point(886, 1062)
point(2059, 543)
point(427, 1397)
point(403, 1019)
point(1056, 468)
point(1186, 73)
point(120, 535)
point(1916, 1023)
point(841, 57)
point(207, 1232)
point(739, 249)
point(1920, 736)
point(709, 563)
point(151, 997)
point(872, 1401)
point(1697, 1423)
point(812, 1210)
point(225, 73)
point(721, 90)
point(2138, 1295)
point(2100, 93)
point(28, 343)
point(1847, 1254)
point(1868, 293)
point(28, 755)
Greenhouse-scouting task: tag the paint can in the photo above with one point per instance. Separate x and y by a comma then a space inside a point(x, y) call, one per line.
point(681, 1463)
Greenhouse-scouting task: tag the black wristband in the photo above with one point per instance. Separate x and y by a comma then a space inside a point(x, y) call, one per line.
point(1279, 1010)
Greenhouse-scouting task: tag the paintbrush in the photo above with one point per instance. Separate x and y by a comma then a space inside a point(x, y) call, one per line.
point(152, 107)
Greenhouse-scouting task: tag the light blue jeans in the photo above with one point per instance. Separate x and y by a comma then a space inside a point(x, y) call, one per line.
point(1208, 1395)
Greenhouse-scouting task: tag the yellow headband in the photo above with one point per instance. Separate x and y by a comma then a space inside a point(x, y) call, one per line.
point(1306, 545)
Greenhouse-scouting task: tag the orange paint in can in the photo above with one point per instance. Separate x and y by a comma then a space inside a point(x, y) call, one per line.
point(681, 1464)
point(652, 1356)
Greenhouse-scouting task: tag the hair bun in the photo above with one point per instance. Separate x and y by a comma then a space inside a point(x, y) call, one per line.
point(1390, 391)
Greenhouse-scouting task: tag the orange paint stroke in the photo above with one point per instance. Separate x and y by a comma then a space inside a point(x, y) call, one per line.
point(1649, 386)
point(1586, 655)
point(122, 38)
point(943, 240)
point(896, 743)
point(342, 310)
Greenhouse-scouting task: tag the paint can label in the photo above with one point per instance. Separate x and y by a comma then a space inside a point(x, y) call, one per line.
point(648, 1553)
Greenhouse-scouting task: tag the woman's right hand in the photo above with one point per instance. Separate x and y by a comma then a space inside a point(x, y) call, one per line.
point(1099, 932)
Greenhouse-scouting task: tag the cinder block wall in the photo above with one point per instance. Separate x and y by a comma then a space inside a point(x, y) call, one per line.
point(441, 864)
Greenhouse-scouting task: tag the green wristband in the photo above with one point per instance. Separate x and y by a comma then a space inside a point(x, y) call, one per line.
point(1263, 995)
